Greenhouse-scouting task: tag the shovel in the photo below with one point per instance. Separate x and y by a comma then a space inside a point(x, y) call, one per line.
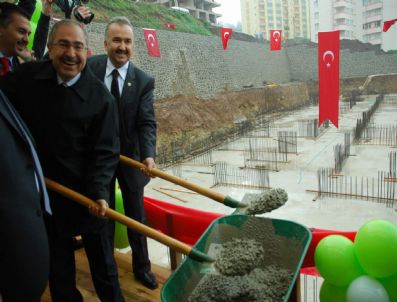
point(132, 224)
point(226, 200)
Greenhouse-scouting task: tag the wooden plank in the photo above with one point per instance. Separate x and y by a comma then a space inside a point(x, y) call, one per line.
point(132, 289)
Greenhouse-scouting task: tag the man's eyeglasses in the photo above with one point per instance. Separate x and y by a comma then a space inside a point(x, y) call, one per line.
point(77, 46)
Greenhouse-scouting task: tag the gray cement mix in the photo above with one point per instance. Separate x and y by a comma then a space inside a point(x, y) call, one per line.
point(239, 257)
point(254, 263)
point(268, 284)
point(266, 201)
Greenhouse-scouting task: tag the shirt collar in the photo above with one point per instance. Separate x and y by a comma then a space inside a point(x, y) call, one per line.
point(122, 70)
point(70, 82)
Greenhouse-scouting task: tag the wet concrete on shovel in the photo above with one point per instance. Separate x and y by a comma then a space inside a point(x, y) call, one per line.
point(265, 202)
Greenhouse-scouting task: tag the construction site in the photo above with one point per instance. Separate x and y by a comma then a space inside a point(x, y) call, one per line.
point(243, 143)
point(237, 124)
point(336, 179)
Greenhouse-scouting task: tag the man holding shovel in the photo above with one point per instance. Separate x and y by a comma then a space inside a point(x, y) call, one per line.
point(73, 119)
point(133, 90)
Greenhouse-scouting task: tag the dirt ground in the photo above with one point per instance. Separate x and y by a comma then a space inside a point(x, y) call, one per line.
point(193, 117)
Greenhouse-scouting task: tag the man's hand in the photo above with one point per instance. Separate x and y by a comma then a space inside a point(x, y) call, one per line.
point(47, 7)
point(83, 10)
point(100, 209)
point(26, 55)
point(149, 165)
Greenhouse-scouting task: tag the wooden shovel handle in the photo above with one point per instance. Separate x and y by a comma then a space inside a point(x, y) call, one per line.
point(130, 223)
point(176, 180)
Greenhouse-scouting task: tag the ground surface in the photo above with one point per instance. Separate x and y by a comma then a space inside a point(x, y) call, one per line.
point(297, 176)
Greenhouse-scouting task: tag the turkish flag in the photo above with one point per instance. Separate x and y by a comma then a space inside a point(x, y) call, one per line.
point(152, 43)
point(328, 76)
point(388, 24)
point(275, 39)
point(226, 34)
point(170, 25)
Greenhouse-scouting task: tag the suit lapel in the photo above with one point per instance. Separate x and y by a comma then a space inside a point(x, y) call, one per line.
point(129, 87)
point(98, 64)
point(4, 111)
point(101, 68)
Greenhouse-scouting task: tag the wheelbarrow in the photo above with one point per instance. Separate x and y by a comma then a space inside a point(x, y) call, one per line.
point(285, 244)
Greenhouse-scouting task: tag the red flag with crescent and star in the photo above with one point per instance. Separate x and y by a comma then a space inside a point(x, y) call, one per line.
point(152, 43)
point(275, 39)
point(170, 25)
point(328, 76)
point(226, 34)
point(388, 24)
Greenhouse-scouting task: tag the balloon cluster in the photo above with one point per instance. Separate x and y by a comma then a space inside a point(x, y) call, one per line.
point(363, 271)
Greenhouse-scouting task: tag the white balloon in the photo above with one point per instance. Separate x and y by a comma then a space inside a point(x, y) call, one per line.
point(366, 289)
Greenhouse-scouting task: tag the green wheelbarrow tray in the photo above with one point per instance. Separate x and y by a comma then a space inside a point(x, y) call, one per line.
point(285, 244)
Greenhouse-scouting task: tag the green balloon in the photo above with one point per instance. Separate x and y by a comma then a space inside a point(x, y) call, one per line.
point(376, 248)
point(332, 293)
point(34, 20)
point(120, 231)
point(336, 260)
point(390, 284)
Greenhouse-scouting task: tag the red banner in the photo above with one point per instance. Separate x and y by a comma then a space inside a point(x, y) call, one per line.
point(226, 34)
point(275, 39)
point(388, 24)
point(328, 76)
point(152, 43)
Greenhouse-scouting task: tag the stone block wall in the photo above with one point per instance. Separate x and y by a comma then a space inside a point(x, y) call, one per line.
point(303, 63)
point(198, 65)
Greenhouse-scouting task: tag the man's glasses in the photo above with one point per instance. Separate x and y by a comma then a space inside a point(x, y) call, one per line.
point(77, 46)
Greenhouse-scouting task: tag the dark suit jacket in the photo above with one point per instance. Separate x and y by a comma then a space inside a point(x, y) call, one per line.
point(139, 139)
point(76, 131)
point(24, 258)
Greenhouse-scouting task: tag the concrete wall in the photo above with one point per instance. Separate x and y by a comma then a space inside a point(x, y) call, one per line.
point(303, 63)
point(198, 65)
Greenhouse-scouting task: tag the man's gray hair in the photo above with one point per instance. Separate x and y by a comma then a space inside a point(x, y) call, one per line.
point(120, 20)
point(59, 24)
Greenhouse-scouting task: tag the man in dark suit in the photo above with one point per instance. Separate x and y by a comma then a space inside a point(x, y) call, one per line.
point(133, 90)
point(73, 119)
point(24, 254)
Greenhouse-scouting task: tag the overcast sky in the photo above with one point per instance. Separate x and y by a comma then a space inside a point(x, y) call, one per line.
point(230, 10)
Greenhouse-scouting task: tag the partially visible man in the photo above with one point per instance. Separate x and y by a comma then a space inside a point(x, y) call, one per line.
point(73, 119)
point(24, 254)
point(14, 36)
point(133, 90)
point(15, 31)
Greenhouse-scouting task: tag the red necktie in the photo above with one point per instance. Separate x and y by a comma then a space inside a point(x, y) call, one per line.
point(5, 66)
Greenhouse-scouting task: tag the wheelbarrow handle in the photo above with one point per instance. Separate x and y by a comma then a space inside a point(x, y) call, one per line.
point(131, 223)
point(228, 201)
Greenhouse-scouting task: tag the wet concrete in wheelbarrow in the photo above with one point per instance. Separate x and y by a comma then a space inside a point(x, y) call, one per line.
point(260, 285)
point(254, 265)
